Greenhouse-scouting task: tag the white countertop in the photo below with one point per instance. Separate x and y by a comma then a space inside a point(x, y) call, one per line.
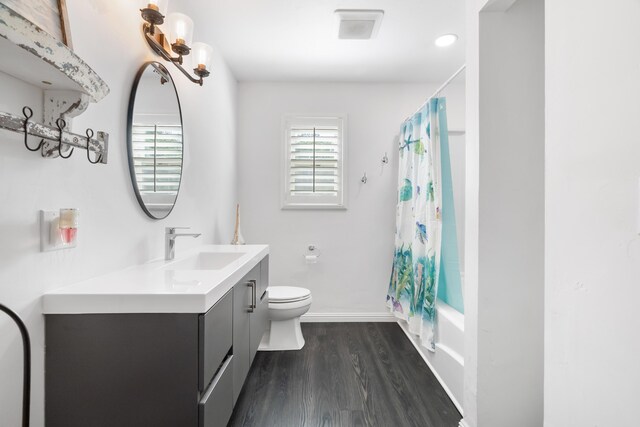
point(155, 287)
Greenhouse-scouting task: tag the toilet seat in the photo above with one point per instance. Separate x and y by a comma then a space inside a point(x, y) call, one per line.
point(287, 294)
point(286, 306)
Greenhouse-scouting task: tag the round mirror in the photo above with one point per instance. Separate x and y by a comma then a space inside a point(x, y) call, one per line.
point(154, 140)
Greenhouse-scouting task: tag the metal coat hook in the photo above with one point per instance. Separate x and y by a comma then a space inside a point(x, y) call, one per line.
point(89, 132)
point(385, 159)
point(61, 123)
point(28, 113)
point(364, 178)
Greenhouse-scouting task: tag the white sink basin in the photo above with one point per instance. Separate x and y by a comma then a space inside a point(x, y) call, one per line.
point(205, 261)
point(192, 283)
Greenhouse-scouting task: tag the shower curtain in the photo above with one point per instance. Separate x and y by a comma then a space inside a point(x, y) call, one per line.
point(415, 275)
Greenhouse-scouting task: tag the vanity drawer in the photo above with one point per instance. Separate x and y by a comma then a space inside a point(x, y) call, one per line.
point(215, 330)
point(216, 405)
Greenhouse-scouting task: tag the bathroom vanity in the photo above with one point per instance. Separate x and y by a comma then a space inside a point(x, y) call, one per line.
point(168, 343)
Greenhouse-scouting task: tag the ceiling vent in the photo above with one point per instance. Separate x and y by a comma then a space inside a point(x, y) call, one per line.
point(358, 24)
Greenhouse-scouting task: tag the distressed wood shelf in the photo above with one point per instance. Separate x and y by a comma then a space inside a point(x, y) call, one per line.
point(32, 55)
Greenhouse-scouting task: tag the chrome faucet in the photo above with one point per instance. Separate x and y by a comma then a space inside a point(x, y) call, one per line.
point(170, 236)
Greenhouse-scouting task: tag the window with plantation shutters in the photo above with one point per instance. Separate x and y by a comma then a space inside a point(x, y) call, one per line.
point(314, 159)
point(157, 161)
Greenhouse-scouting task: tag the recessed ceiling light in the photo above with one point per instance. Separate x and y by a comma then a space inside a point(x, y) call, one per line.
point(358, 24)
point(446, 40)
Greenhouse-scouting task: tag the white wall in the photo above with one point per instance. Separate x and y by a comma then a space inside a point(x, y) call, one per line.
point(471, 203)
point(505, 216)
point(457, 154)
point(592, 338)
point(114, 232)
point(356, 245)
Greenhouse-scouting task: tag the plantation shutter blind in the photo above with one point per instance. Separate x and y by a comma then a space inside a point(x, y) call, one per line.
point(314, 161)
point(314, 156)
point(157, 157)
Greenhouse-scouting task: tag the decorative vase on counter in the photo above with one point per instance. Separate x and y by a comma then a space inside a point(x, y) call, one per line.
point(237, 234)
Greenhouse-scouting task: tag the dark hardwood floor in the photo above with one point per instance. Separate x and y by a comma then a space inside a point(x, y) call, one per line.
point(347, 374)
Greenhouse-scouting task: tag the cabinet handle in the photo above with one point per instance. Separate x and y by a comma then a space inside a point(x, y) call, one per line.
point(253, 304)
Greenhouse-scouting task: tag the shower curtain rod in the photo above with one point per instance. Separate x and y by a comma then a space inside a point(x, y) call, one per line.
point(440, 89)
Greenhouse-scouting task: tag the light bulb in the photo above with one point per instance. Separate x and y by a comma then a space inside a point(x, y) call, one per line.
point(180, 29)
point(202, 55)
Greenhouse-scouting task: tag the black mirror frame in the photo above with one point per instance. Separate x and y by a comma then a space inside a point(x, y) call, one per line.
point(132, 172)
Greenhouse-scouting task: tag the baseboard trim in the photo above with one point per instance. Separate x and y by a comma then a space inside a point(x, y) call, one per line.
point(347, 317)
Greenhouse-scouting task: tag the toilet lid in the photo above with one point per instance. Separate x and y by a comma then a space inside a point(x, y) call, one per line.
point(287, 294)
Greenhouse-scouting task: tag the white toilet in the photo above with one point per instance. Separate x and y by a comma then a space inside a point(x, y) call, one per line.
point(286, 305)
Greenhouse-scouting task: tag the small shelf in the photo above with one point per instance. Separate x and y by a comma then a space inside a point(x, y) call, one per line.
point(32, 55)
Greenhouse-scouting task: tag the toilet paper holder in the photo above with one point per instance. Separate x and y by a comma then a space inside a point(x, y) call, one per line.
point(312, 256)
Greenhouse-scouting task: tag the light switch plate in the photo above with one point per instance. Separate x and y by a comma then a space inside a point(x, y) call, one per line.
point(50, 239)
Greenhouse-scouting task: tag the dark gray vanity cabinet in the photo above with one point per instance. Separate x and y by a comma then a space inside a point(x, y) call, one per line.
point(105, 370)
point(250, 319)
point(152, 369)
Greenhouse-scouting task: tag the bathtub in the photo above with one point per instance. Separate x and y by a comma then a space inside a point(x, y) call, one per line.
point(447, 362)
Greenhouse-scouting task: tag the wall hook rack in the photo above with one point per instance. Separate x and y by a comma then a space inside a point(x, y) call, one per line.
point(57, 135)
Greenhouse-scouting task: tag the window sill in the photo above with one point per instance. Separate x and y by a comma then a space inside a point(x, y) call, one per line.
point(308, 206)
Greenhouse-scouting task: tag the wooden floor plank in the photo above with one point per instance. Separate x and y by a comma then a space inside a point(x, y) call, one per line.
point(348, 374)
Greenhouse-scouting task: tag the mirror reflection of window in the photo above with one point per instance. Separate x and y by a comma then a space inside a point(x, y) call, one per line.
point(156, 142)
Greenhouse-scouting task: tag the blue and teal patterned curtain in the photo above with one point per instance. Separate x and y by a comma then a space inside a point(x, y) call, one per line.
point(416, 272)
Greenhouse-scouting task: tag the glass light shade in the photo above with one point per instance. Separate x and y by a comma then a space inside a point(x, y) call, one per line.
point(157, 5)
point(180, 29)
point(201, 55)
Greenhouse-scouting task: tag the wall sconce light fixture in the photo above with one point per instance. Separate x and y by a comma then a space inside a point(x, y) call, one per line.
point(179, 38)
